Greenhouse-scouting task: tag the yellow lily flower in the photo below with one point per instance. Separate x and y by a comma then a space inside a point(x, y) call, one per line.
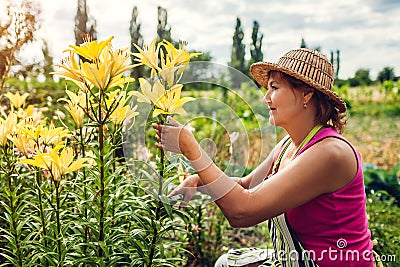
point(76, 105)
point(100, 76)
point(33, 131)
point(17, 100)
point(166, 101)
point(63, 163)
point(171, 102)
point(78, 99)
point(104, 68)
point(52, 135)
point(169, 75)
point(41, 161)
point(23, 143)
point(77, 114)
point(91, 50)
point(44, 135)
point(120, 81)
point(97, 74)
point(149, 56)
point(176, 57)
point(30, 113)
point(115, 96)
point(150, 94)
point(72, 70)
point(120, 61)
point(122, 113)
point(7, 127)
point(57, 164)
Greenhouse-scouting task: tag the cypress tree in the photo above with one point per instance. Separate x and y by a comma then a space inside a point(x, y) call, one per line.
point(238, 52)
point(163, 30)
point(136, 38)
point(303, 43)
point(337, 63)
point(84, 25)
point(256, 45)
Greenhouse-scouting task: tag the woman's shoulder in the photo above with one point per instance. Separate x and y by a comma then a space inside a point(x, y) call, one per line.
point(339, 160)
point(328, 136)
point(337, 148)
point(333, 143)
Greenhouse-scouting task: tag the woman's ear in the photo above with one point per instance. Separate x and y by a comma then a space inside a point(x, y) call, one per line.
point(308, 93)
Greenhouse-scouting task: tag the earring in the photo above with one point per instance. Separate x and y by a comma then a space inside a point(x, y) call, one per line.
point(305, 105)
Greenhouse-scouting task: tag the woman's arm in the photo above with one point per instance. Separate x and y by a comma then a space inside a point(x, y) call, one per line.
point(250, 181)
point(262, 171)
point(323, 168)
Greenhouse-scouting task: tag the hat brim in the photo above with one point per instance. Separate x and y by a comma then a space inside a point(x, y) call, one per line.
point(260, 72)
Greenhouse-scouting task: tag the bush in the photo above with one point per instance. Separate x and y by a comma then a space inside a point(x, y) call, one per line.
point(384, 221)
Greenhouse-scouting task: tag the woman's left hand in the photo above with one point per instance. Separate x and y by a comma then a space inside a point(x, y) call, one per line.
point(177, 138)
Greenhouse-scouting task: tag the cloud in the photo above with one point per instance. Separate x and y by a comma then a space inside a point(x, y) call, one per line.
point(365, 31)
point(384, 6)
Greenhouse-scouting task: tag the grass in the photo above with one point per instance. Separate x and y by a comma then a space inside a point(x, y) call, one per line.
point(376, 138)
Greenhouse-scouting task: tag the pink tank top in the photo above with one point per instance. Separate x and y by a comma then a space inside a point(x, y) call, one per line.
point(333, 227)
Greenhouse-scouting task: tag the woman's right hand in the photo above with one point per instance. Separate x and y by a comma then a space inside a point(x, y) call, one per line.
point(187, 188)
point(177, 138)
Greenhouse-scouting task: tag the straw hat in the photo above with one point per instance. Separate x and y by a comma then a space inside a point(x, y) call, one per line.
point(309, 66)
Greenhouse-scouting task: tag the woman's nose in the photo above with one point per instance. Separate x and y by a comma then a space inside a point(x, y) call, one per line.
point(266, 99)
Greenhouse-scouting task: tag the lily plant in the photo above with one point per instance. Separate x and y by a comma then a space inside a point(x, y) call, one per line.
point(164, 93)
point(101, 101)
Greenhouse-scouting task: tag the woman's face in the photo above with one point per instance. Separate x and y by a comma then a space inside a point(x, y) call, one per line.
point(284, 103)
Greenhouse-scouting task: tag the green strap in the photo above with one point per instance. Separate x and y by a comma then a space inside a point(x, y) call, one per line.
point(309, 136)
point(279, 228)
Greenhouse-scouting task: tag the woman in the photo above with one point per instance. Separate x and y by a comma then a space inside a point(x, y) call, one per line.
point(310, 187)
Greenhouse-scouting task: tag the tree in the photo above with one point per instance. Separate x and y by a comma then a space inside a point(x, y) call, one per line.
point(386, 74)
point(17, 29)
point(303, 43)
point(84, 25)
point(163, 30)
point(238, 52)
point(337, 63)
point(361, 78)
point(199, 71)
point(48, 61)
point(136, 38)
point(256, 45)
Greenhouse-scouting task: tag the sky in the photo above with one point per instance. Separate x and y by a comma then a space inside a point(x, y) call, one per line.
point(367, 32)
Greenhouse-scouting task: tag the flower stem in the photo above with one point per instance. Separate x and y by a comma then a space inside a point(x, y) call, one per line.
point(13, 197)
point(158, 202)
point(155, 234)
point(101, 189)
point(41, 211)
point(14, 217)
point(85, 195)
point(59, 251)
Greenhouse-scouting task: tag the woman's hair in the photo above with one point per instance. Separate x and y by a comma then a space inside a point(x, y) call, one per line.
point(327, 114)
